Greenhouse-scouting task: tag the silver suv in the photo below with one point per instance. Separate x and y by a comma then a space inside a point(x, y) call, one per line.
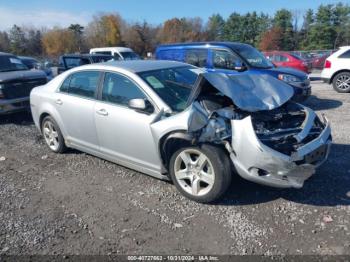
point(174, 122)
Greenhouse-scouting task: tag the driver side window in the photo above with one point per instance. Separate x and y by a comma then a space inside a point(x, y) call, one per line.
point(225, 60)
point(119, 89)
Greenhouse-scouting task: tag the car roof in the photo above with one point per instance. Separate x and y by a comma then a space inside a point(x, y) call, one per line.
point(233, 45)
point(137, 66)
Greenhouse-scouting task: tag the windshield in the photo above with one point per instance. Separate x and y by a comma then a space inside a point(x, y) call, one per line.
point(173, 85)
point(253, 57)
point(11, 63)
point(129, 56)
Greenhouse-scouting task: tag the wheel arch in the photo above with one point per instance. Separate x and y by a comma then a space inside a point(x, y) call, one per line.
point(338, 72)
point(49, 110)
point(171, 142)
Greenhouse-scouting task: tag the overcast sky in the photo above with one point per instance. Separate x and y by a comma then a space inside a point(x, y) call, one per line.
point(49, 13)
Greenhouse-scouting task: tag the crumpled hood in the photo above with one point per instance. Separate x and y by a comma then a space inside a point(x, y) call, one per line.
point(249, 92)
point(21, 75)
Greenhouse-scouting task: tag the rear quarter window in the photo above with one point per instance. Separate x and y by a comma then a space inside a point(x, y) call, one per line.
point(346, 54)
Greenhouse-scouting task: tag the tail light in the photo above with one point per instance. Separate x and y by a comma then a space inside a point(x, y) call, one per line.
point(327, 64)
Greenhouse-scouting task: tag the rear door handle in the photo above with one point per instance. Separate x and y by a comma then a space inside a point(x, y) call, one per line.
point(102, 112)
point(59, 102)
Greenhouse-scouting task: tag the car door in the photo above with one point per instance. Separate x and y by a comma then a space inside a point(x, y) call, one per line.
point(75, 103)
point(125, 134)
point(225, 60)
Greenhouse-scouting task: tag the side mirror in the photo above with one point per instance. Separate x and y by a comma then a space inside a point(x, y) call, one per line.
point(141, 105)
point(239, 66)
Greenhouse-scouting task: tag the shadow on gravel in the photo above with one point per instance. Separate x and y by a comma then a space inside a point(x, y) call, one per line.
point(322, 104)
point(329, 186)
point(20, 118)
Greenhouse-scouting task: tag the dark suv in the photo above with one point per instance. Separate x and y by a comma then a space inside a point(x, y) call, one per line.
point(16, 82)
point(69, 61)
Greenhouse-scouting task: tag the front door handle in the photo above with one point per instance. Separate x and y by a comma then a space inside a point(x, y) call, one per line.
point(59, 102)
point(102, 112)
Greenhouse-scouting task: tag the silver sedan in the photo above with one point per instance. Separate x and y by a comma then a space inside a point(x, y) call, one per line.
point(174, 122)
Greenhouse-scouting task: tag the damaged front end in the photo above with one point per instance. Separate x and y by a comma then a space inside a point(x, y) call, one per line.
point(270, 140)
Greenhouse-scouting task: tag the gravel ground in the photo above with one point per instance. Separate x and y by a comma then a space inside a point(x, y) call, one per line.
point(79, 204)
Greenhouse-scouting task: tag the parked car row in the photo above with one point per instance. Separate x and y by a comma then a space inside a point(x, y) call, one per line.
point(235, 58)
point(297, 60)
point(216, 109)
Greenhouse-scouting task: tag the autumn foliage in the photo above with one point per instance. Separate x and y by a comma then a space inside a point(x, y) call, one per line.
point(271, 40)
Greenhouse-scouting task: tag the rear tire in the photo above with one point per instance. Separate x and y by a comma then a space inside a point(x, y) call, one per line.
point(52, 135)
point(341, 82)
point(201, 173)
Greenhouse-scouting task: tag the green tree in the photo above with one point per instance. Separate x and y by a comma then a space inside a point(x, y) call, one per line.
point(341, 21)
point(305, 29)
point(78, 31)
point(33, 42)
point(322, 32)
point(233, 28)
point(215, 28)
point(247, 28)
point(283, 21)
point(17, 40)
point(4, 42)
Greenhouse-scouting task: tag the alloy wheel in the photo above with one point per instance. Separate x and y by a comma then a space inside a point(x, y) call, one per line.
point(194, 172)
point(51, 135)
point(343, 82)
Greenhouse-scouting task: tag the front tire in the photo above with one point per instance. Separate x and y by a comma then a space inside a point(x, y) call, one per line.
point(52, 135)
point(341, 82)
point(201, 173)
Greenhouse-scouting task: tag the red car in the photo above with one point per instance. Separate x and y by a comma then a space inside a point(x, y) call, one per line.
point(285, 59)
point(318, 62)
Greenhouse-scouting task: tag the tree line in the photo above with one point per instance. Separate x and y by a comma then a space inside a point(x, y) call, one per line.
point(327, 27)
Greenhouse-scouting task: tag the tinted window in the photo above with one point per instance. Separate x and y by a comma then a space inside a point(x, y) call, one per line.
point(281, 58)
point(129, 56)
point(100, 59)
point(197, 57)
point(81, 83)
point(225, 59)
point(172, 85)
point(11, 63)
point(76, 61)
point(172, 54)
point(103, 52)
point(345, 55)
point(119, 89)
